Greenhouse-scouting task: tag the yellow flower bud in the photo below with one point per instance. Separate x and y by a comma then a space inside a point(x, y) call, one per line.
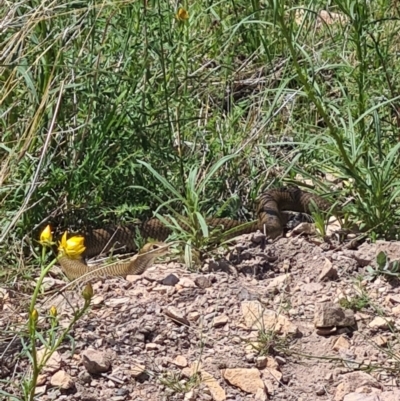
point(87, 292)
point(182, 15)
point(53, 311)
point(46, 237)
point(72, 247)
point(35, 315)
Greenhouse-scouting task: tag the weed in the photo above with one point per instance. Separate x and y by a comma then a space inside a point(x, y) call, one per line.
point(356, 303)
point(177, 384)
point(351, 147)
point(385, 267)
point(268, 342)
point(189, 227)
point(321, 218)
point(51, 339)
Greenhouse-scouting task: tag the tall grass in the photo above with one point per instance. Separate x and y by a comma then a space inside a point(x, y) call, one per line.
point(110, 109)
point(88, 89)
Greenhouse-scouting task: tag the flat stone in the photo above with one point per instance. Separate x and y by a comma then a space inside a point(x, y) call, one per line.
point(137, 370)
point(380, 323)
point(261, 362)
point(190, 396)
point(393, 298)
point(180, 361)
point(152, 346)
point(186, 282)
point(272, 378)
point(248, 380)
point(203, 282)
point(53, 363)
point(97, 300)
point(40, 390)
point(117, 301)
point(62, 380)
point(352, 381)
point(392, 395)
point(132, 278)
point(361, 397)
point(380, 341)
point(341, 343)
point(176, 315)
point(170, 280)
point(220, 321)
point(278, 282)
point(194, 316)
point(258, 318)
point(216, 391)
point(328, 315)
point(41, 380)
point(261, 395)
point(328, 272)
point(195, 367)
point(96, 361)
point(161, 289)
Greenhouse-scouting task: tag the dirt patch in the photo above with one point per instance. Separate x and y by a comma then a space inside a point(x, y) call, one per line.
point(173, 335)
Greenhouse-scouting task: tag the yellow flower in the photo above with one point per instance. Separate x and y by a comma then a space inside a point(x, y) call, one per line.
point(35, 315)
point(72, 247)
point(87, 292)
point(182, 15)
point(46, 237)
point(53, 311)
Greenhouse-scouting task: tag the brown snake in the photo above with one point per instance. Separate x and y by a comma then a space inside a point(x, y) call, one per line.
point(77, 269)
point(269, 220)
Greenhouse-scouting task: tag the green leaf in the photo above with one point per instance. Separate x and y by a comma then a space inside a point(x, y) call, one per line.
point(381, 259)
point(162, 180)
point(213, 170)
point(203, 224)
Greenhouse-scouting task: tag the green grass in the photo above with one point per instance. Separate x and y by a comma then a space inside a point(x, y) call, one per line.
point(356, 303)
point(92, 90)
point(385, 267)
point(96, 94)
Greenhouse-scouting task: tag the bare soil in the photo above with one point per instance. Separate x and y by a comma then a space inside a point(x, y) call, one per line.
point(174, 335)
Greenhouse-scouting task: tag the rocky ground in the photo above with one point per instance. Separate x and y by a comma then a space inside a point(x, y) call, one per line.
point(297, 319)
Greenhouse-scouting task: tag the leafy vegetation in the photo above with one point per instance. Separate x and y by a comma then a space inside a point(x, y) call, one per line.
point(356, 303)
point(384, 267)
point(109, 110)
point(90, 92)
point(44, 335)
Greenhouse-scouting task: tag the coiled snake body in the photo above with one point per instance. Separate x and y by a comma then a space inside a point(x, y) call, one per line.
point(269, 220)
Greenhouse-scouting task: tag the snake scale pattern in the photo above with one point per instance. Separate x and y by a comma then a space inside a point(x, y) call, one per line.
point(77, 269)
point(269, 220)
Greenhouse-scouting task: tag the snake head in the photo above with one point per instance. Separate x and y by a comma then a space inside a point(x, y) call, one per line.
point(155, 247)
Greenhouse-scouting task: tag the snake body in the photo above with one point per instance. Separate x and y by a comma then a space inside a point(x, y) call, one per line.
point(77, 269)
point(269, 220)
